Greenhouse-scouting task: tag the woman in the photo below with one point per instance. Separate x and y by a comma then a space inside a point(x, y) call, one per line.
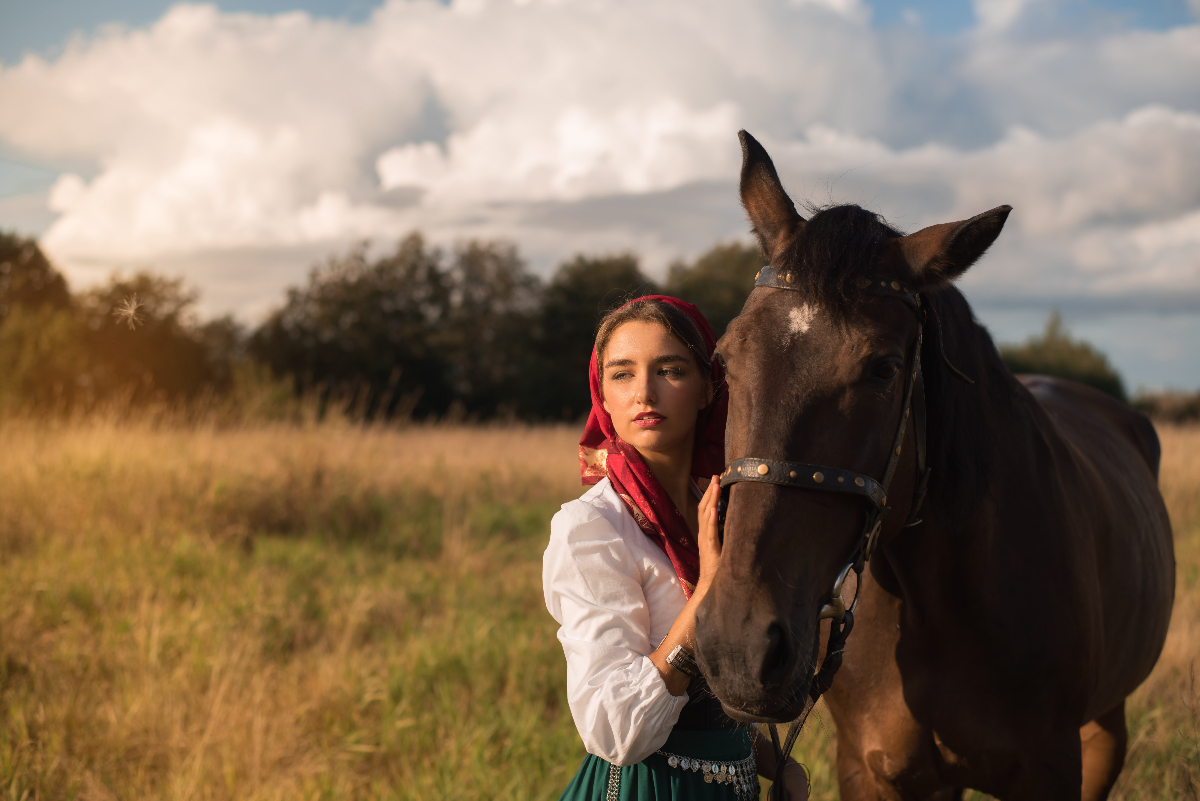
point(629, 562)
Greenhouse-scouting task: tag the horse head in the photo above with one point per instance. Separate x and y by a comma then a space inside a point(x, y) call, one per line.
point(821, 379)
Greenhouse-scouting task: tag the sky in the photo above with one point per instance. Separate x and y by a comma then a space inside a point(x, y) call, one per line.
point(238, 144)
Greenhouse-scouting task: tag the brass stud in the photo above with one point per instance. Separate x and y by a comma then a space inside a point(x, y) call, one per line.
point(860, 482)
point(914, 375)
point(818, 477)
point(896, 285)
point(763, 470)
point(789, 278)
point(897, 450)
point(906, 414)
point(792, 474)
point(883, 283)
point(841, 480)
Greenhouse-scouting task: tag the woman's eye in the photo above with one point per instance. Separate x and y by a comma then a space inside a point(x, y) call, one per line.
point(671, 371)
point(885, 370)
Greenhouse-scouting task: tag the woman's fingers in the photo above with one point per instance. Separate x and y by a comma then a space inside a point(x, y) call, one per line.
point(710, 543)
point(711, 495)
point(708, 503)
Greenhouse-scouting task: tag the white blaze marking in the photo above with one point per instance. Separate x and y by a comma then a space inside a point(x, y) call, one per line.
point(800, 319)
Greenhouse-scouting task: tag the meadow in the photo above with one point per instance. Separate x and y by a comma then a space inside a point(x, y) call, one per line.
point(287, 611)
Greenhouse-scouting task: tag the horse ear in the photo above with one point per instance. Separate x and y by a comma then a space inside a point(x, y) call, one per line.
point(944, 252)
point(771, 211)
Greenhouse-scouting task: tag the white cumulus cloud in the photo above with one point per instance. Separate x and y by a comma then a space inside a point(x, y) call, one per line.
point(228, 146)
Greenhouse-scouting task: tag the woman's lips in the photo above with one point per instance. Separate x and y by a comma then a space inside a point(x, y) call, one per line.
point(648, 420)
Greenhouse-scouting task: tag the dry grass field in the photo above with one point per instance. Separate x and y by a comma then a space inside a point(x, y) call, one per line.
point(343, 612)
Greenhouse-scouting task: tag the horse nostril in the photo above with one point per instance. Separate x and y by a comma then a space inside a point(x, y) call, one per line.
point(778, 655)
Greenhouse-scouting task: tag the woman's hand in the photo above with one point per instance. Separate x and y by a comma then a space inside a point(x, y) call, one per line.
point(794, 776)
point(795, 781)
point(708, 540)
point(683, 630)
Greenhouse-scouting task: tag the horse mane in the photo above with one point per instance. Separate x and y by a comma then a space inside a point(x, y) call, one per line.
point(839, 244)
point(961, 418)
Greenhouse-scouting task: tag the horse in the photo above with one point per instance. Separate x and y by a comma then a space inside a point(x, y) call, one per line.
point(1000, 626)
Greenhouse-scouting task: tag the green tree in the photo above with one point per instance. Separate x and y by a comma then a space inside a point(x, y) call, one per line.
point(27, 279)
point(1056, 353)
point(377, 325)
point(43, 357)
point(414, 327)
point(578, 296)
point(488, 335)
point(161, 352)
point(717, 282)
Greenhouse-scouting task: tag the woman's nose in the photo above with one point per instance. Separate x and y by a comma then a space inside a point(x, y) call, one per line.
point(645, 393)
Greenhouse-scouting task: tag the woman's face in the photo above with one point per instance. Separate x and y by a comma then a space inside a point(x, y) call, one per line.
point(652, 387)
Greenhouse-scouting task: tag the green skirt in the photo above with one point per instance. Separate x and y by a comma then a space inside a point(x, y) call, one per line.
point(716, 764)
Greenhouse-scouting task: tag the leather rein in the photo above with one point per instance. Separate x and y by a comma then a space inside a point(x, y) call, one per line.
point(831, 479)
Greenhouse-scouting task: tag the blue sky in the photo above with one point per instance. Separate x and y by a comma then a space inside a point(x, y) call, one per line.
point(42, 26)
point(237, 150)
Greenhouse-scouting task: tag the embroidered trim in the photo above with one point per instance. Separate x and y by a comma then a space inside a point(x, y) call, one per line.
point(743, 774)
point(614, 783)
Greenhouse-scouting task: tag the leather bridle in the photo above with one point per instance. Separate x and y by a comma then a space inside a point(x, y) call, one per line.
point(801, 475)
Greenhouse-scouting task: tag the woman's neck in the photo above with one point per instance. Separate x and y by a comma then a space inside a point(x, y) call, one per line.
point(673, 471)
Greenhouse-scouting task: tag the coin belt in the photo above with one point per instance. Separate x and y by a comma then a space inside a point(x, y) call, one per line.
point(743, 775)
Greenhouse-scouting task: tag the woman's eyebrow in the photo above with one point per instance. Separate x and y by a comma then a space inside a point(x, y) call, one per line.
point(669, 358)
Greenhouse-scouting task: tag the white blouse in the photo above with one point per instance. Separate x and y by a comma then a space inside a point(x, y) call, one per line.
point(615, 596)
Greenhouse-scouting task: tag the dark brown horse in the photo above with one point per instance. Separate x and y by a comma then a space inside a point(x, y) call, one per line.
point(997, 639)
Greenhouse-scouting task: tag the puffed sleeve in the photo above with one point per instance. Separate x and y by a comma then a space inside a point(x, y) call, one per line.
point(619, 701)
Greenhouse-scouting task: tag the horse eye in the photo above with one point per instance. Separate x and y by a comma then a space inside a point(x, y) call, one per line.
point(885, 370)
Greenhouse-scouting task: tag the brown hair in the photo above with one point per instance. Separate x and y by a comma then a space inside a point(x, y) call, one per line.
point(676, 321)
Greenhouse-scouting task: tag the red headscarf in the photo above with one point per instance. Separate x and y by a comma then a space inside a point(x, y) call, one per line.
point(603, 453)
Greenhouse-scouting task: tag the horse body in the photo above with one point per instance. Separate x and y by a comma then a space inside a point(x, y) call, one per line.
point(996, 640)
point(983, 647)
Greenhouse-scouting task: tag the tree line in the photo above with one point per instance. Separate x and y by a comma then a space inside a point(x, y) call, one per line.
point(420, 331)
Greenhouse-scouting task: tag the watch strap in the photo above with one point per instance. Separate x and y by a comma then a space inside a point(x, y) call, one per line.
point(683, 660)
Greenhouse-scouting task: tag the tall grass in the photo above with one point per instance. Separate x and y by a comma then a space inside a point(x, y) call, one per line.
point(1164, 713)
point(338, 611)
point(279, 613)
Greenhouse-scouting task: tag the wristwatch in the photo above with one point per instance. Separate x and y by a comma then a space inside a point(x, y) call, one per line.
point(684, 661)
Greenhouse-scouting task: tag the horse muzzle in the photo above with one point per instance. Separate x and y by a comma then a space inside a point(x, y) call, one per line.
point(757, 663)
